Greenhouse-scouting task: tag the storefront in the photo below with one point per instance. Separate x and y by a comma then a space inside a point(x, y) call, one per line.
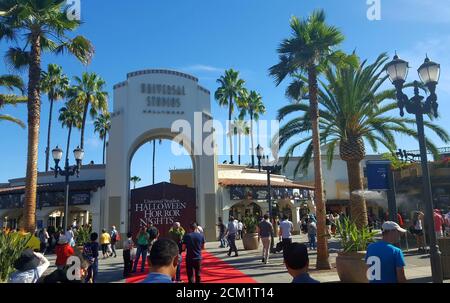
point(85, 200)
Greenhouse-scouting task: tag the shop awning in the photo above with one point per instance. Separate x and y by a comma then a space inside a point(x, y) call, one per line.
point(92, 185)
point(262, 183)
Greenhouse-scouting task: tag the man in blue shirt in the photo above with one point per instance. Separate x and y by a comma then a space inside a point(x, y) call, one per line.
point(163, 261)
point(193, 242)
point(296, 259)
point(386, 261)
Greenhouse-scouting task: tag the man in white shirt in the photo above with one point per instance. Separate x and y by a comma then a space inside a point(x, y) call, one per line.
point(240, 228)
point(232, 230)
point(286, 228)
point(70, 236)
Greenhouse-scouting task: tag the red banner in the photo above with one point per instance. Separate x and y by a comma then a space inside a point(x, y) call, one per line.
point(162, 204)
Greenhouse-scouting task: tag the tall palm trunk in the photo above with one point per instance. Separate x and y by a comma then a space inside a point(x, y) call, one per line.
point(251, 138)
point(104, 148)
point(322, 243)
point(358, 207)
point(239, 149)
point(83, 125)
point(68, 143)
point(47, 150)
point(34, 112)
point(153, 162)
point(230, 133)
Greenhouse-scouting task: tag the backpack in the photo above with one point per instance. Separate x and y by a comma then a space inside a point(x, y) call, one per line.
point(88, 254)
point(115, 237)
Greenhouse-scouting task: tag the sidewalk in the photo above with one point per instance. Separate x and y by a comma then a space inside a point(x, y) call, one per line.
point(249, 262)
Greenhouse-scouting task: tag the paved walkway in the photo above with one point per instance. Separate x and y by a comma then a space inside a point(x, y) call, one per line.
point(249, 262)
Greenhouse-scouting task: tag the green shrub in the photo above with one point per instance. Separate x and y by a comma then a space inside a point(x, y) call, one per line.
point(11, 246)
point(250, 224)
point(353, 239)
point(83, 235)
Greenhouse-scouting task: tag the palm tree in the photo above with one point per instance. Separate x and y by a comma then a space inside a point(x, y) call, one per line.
point(240, 127)
point(306, 52)
point(354, 111)
point(42, 25)
point(55, 84)
point(102, 125)
point(70, 116)
point(11, 82)
point(135, 179)
point(89, 91)
point(231, 87)
point(252, 105)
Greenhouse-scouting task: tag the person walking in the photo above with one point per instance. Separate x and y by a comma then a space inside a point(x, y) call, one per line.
point(240, 229)
point(265, 232)
point(328, 224)
point(312, 233)
point(176, 234)
point(390, 259)
point(105, 241)
point(417, 230)
point(163, 262)
point(193, 243)
point(128, 246)
point(222, 229)
point(70, 236)
point(90, 254)
point(438, 222)
point(115, 236)
point(63, 252)
point(286, 228)
point(142, 249)
point(43, 238)
point(231, 232)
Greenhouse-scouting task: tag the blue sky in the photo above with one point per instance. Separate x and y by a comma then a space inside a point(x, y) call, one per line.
point(204, 37)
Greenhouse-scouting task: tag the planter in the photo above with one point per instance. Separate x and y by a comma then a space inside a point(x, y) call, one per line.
point(351, 267)
point(444, 247)
point(250, 241)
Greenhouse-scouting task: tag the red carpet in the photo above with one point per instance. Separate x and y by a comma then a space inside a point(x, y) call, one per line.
point(214, 270)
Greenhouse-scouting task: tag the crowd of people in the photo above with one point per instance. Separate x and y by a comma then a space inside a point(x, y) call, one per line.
point(164, 255)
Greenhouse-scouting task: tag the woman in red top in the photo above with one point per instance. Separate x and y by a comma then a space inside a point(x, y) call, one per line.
point(63, 252)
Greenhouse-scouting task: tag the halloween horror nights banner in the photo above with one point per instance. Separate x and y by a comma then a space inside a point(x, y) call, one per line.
point(162, 204)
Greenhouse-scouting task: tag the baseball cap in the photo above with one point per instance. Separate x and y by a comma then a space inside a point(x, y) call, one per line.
point(391, 225)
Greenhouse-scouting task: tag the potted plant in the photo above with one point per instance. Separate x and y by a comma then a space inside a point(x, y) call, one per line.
point(12, 244)
point(83, 236)
point(350, 262)
point(250, 237)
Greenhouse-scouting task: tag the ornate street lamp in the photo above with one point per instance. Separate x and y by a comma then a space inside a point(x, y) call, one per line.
point(429, 73)
point(259, 155)
point(67, 172)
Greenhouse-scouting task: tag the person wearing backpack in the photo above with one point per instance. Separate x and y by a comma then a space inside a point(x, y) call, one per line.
point(90, 253)
point(115, 236)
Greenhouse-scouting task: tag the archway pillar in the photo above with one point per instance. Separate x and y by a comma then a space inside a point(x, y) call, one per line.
point(146, 105)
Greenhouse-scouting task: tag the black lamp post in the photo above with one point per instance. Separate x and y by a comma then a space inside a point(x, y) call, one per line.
point(259, 155)
point(429, 72)
point(67, 172)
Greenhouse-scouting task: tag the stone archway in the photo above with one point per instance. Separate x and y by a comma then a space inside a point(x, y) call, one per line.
point(145, 107)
